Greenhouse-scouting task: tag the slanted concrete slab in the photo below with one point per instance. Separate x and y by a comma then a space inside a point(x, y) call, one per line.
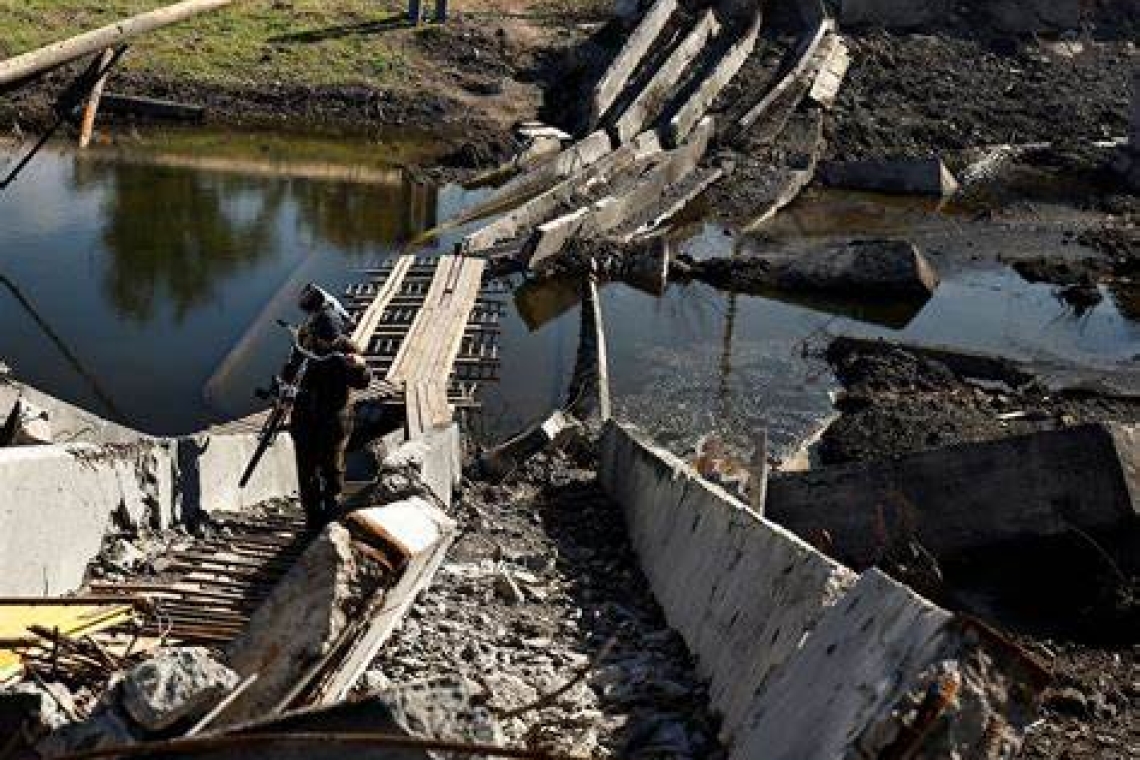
point(741, 591)
point(970, 496)
point(899, 176)
point(649, 102)
point(616, 78)
point(688, 114)
point(804, 71)
point(887, 674)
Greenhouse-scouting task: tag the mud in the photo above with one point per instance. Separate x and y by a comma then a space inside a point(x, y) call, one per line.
point(897, 403)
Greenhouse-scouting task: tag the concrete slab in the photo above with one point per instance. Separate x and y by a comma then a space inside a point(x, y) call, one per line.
point(970, 496)
point(58, 502)
point(887, 674)
point(210, 466)
point(741, 591)
point(617, 76)
point(648, 104)
point(899, 176)
point(69, 423)
point(688, 114)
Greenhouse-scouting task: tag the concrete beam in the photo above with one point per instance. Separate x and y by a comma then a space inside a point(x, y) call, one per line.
point(689, 114)
point(971, 496)
point(649, 102)
point(803, 70)
point(567, 163)
point(887, 674)
point(611, 212)
point(617, 76)
point(899, 176)
point(741, 591)
point(569, 192)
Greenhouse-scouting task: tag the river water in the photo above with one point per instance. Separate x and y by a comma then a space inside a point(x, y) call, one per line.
point(141, 284)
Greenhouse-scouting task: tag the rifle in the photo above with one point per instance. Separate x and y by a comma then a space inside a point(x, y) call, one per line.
point(284, 392)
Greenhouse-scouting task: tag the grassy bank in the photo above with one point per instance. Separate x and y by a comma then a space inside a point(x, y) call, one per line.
point(315, 42)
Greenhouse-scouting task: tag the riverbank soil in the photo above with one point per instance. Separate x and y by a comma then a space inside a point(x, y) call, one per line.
point(332, 65)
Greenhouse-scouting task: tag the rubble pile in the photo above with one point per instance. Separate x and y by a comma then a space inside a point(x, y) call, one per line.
point(541, 604)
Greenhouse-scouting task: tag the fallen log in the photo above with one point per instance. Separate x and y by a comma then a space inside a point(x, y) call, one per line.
point(17, 70)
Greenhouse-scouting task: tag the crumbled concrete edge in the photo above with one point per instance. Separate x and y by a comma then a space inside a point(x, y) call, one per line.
point(802, 660)
point(57, 502)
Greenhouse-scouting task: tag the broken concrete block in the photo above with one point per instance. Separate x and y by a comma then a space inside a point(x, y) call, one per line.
point(971, 496)
point(900, 176)
point(887, 674)
point(26, 425)
point(173, 686)
point(505, 458)
point(617, 76)
point(58, 502)
point(304, 615)
point(832, 72)
point(895, 14)
point(411, 526)
point(210, 468)
point(741, 591)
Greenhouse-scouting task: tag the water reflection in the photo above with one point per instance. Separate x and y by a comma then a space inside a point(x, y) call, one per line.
point(150, 269)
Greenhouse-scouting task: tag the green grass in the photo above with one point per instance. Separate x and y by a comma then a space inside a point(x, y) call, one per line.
point(236, 46)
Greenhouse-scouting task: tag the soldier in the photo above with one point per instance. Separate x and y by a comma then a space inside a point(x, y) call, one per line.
point(321, 420)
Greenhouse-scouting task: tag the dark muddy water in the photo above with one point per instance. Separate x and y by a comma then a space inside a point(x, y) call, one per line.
point(144, 286)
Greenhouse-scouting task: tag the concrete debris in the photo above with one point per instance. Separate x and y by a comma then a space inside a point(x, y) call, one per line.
point(122, 556)
point(555, 431)
point(901, 176)
point(173, 686)
point(970, 496)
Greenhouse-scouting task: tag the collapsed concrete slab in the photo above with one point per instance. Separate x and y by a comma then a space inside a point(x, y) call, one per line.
point(901, 176)
point(617, 76)
point(741, 591)
point(58, 502)
point(612, 211)
point(689, 113)
point(970, 496)
point(298, 624)
point(887, 674)
point(857, 268)
point(653, 97)
point(68, 422)
point(803, 661)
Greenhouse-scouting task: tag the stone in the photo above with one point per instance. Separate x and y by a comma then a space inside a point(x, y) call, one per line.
point(175, 685)
point(448, 708)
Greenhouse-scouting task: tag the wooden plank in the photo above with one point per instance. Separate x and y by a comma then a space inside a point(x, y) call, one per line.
point(87, 127)
point(371, 317)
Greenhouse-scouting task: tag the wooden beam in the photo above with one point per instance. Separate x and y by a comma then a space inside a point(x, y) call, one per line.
point(87, 128)
point(34, 62)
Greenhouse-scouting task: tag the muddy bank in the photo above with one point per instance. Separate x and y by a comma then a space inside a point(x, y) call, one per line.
point(897, 402)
